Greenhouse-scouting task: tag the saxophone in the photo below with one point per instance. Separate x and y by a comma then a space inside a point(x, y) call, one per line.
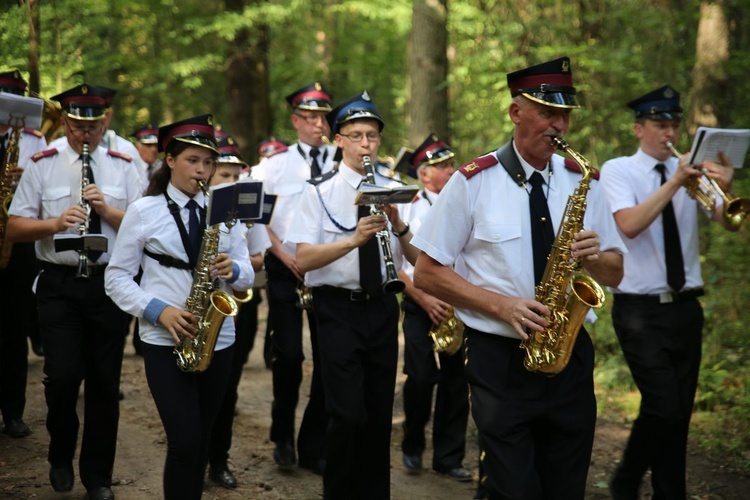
point(6, 189)
point(448, 336)
point(209, 305)
point(564, 289)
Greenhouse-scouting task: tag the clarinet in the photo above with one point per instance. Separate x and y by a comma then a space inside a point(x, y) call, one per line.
point(392, 283)
point(83, 229)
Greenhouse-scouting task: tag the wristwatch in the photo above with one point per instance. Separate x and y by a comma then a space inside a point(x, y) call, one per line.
point(401, 233)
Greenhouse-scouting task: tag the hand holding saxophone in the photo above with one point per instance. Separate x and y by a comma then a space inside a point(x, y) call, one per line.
point(222, 267)
point(178, 322)
point(586, 246)
point(524, 315)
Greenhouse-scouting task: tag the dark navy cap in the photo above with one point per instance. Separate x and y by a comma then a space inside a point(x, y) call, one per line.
point(431, 152)
point(660, 104)
point(12, 82)
point(357, 107)
point(147, 134)
point(228, 150)
point(271, 146)
point(549, 83)
point(109, 95)
point(198, 131)
point(313, 97)
point(84, 102)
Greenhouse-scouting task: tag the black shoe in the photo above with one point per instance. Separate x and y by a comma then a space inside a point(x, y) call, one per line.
point(284, 457)
point(101, 493)
point(315, 466)
point(622, 489)
point(222, 476)
point(16, 428)
point(458, 473)
point(61, 477)
point(413, 463)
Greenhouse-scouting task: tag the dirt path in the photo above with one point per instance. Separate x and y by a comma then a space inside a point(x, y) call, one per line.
point(141, 449)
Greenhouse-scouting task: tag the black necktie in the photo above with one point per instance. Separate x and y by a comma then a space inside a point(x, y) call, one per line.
point(369, 261)
point(541, 226)
point(195, 232)
point(95, 222)
point(672, 248)
point(314, 166)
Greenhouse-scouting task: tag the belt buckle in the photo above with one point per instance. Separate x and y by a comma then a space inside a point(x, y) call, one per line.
point(357, 295)
point(667, 297)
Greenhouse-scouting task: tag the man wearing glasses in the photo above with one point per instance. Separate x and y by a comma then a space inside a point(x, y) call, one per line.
point(342, 262)
point(285, 175)
point(82, 330)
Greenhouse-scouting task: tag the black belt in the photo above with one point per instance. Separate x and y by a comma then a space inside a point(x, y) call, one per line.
point(345, 293)
point(94, 270)
point(660, 298)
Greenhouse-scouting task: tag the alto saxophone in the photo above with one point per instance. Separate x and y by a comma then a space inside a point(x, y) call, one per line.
point(448, 336)
point(209, 305)
point(6, 188)
point(564, 289)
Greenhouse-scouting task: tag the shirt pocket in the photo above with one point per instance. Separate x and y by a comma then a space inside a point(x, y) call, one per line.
point(339, 224)
point(55, 199)
point(501, 246)
point(115, 196)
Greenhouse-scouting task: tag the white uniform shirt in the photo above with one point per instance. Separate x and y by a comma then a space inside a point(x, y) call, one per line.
point(53, 183)
point(413, 213)
point(629, 181)
point(482, 227)
point(312, 224)
point(257, 239)
point(286, 175)
point(149, 224)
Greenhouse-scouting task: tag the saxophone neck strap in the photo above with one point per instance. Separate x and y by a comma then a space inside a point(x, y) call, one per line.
point(174, 209)
point(168, 260)
point(507, 156)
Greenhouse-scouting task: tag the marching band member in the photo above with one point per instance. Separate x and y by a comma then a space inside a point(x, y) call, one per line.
point(147, 144)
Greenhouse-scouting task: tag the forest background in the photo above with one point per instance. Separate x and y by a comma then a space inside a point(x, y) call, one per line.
point(433, 66)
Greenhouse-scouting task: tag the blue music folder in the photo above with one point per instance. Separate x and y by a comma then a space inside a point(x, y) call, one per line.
point(234, 202)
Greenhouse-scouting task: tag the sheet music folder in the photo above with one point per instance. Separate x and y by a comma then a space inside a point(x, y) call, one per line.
point(708, 142)
point(27, 109)
point(370, 194)
point(234, 202)
point(80, 242)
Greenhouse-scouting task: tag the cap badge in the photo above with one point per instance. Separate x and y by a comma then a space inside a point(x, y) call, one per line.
point(318, 86)
point(84, 90)
point(17, 75)
point(366, 96)
point(230, 141)
point(565, 66)
point(668, 93)
point(210, 121)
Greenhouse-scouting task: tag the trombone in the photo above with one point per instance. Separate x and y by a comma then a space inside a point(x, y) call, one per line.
point(704, 189)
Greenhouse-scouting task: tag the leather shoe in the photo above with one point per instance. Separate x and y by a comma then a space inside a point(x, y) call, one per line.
point(61, 477)
point(622, 489)
point(458, 473)
point(101, 493)
point(16, 428)
point(222, 476)
point(316, 466)
point(284, 457)
point(413, 463)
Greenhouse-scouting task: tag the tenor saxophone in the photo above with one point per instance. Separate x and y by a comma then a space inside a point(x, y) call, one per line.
point(564, 289)
point(209, 305)
point(6, 188)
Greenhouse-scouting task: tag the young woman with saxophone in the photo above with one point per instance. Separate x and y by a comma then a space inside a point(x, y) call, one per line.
point(162, 234)
point(485, 243)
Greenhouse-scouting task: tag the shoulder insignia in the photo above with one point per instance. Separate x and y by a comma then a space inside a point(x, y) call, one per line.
point(122, 156)
point(33, 132)
point(573, 167)
point(322, 178)
point(44, 154)
point(280, 149)
point(474, 167)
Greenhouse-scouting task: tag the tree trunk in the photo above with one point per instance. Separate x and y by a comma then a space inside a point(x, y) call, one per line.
point(428, 71)
point(34, 45)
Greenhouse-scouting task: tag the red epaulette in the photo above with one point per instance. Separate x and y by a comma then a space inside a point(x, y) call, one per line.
point(573, 167)
point(33, 132)
point(474, 167)
point(280, 150)
point(44, 154)
point(117, 154)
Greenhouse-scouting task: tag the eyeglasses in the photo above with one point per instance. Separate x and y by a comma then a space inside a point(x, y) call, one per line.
point(311, 119)
point(358, 136)
point(81, 131)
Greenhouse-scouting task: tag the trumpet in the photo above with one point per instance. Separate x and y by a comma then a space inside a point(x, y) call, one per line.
point(704, 190)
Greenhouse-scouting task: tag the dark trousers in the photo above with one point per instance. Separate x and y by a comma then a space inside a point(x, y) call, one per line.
point(246, 324)
point(452, 400)
point(83, 333)
point(19, 320)
point(537, 431)
point(662, 345)
point(359, 355)
point(287, 357)
point(187, 404)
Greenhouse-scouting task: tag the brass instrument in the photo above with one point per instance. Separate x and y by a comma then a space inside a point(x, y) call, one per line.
point(83, 229)
point(304, 296)
point(52, 117)
point(704, 189)
point(208, 304)
point(6, 188)
point(448, 336)
point(392, 283)
point(564, 289)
